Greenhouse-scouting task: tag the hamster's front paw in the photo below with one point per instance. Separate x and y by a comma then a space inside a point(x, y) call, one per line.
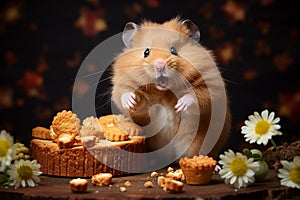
point(128, 100)
point(184, 102)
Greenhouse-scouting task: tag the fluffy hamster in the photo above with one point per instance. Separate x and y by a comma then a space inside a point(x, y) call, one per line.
point(161, 81)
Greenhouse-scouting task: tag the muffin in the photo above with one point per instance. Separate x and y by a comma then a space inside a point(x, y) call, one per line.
point(197, 170)
point(78, 185)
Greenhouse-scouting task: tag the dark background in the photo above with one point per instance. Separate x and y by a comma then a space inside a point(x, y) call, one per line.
point(43, 44)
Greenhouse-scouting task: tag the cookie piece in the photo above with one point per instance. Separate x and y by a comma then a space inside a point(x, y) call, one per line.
point(102, 179)
point(126, 125)
point(161, 181)
point(65, 125)
point(176, 175)
point(65, 141)
point(91, 127)
point(41, 133)
point(111, 130)
point(154, 174)
point(172, 186)
point(148, 184)
point(114, 134)
point(89, 141)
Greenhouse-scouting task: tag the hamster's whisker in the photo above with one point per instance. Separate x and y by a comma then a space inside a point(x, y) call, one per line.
point(100, 97)
point(104, 93)
point(105, 79)
point(229, 81)
point(92, 74)
point(123, 66)
point(179, 79)
point(107, 102)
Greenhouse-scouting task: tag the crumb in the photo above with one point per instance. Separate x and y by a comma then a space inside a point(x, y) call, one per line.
point(161, 181)
point(65, 141)
point(89, 141)
point(123, 189)
point(172, 186)
point(176, 175)
point(154, 174)
point(170, 169)
point(148, 184)
point(127, 183)
point(101, 179)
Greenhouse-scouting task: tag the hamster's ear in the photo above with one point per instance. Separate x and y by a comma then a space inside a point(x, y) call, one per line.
point(195, 33)
point(128, 33)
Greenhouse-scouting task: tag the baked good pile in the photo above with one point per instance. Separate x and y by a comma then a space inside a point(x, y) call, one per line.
point(69, 148)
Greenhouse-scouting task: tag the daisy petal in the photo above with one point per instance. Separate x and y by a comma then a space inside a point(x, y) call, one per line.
point(271, 117)
point(265, 114)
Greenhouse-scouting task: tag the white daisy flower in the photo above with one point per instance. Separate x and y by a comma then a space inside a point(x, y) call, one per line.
point(237, 169)
point(24, 172)
point(7, 151)
point(290, 173)
point(261, 128)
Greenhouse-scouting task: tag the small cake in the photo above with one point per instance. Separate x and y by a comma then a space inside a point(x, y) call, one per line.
point(197, 170)
point(172, 186)
point(78, 185)
point(102, 179)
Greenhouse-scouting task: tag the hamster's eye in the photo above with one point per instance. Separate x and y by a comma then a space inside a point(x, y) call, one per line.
point(146, 53)
point(173, 51)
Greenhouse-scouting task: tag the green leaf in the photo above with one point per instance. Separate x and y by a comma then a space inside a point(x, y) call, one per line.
point(256, 154)
point(247, 153)
point(3, 178)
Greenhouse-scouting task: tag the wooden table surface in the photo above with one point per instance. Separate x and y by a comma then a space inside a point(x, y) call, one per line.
point(58, 188)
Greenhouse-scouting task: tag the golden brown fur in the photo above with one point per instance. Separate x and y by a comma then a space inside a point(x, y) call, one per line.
point(134, 73)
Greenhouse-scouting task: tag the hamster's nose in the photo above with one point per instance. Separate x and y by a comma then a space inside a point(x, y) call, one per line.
point(160, 64)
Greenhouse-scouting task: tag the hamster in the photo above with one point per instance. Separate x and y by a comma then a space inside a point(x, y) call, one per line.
point(160, 80)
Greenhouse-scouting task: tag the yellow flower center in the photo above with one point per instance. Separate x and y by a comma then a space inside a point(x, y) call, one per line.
point(295, 175)
point(4, 146)
point(238, 167)
point(262, 127)
point(25, 172)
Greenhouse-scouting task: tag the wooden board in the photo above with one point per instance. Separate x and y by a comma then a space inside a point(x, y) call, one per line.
point(58, 188)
